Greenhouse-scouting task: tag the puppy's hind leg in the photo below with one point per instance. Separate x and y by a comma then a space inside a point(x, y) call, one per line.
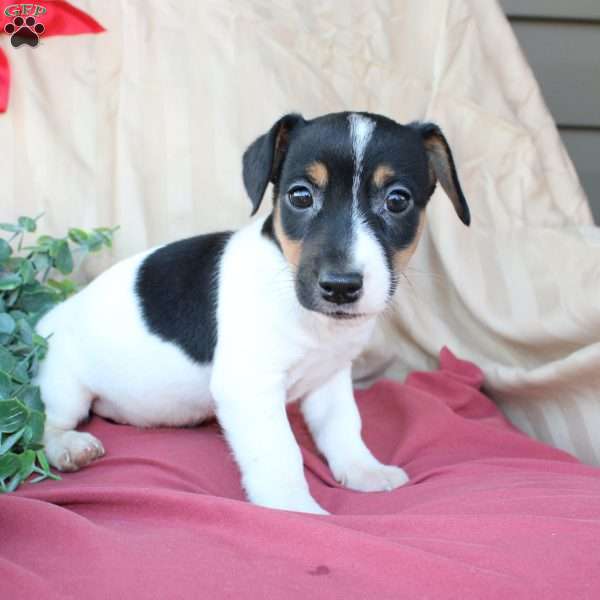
point(67, 404)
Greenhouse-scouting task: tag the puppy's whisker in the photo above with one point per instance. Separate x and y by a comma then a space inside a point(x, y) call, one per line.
point(436, 281)
point(407, 280)
point(410, 267)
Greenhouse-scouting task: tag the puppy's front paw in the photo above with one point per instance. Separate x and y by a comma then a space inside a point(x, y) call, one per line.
point(71, 450)
point(373, 477)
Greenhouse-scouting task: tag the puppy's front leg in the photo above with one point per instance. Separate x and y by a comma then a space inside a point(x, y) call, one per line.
point(256, 426)
point(334, 421)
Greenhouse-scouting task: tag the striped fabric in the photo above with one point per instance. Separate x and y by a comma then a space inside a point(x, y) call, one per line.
point(144, 126)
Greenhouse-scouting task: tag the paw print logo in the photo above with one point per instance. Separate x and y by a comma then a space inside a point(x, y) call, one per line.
point(24, 31)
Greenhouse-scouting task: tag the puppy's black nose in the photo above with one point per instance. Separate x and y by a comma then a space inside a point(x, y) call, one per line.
point(340, 288)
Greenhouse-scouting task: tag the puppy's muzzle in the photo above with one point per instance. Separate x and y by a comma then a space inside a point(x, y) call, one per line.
point(340, 288)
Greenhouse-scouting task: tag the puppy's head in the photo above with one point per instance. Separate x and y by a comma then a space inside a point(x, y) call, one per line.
point(350, 191)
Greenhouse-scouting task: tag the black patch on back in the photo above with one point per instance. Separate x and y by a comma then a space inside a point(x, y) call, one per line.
point(177, 286)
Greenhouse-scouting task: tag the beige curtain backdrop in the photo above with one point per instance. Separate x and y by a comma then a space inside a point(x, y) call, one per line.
point(144, 126)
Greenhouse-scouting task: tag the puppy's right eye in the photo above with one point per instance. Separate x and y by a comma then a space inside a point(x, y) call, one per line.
point(300, 197)
point(398, 200)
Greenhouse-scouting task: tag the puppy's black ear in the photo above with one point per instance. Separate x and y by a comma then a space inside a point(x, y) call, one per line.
point(263, 158)
point(441, 166)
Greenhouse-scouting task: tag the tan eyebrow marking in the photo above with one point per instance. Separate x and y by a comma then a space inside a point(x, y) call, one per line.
point(382, 174)
point(317, 173)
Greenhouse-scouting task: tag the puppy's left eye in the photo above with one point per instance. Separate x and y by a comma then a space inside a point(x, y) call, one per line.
point(300, 197)
point(398, 200)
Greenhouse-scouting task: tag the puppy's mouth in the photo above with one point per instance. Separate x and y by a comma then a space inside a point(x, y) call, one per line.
point(341, 315)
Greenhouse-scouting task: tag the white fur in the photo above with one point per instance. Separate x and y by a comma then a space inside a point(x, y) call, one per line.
point(101, 348)
point(368, 254)
point(361, 130)
point(369, 260)
point(270, 351)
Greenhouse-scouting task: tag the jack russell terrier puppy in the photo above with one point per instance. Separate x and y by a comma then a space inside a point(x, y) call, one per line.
point(238, 324)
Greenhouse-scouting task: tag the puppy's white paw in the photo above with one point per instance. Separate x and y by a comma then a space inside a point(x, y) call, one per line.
point(71, 450)
point(373, 478)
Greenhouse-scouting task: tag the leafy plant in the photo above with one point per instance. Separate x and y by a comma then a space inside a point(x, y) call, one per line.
point(31, 282)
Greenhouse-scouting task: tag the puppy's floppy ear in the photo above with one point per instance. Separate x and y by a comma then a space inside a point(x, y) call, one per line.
point(442, 167)
point(263, 158)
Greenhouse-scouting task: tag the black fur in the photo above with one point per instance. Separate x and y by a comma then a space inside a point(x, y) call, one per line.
point(177, 287)
point(263, 157)
point(442, 162)
point(269, 232)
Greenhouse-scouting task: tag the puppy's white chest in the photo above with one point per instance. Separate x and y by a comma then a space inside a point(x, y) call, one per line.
point(281, 343)
point(317, 363)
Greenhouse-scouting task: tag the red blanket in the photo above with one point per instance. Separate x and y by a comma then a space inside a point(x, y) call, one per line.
point(488, 514)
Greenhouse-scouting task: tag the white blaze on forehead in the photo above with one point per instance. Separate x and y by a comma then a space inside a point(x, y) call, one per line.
point(361, 130)
point(368, 255)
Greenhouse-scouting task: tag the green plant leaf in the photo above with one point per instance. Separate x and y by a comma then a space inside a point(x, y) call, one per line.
point(95, 242)
point(9, 281)
point(11, 298)
point(7, 323)
point(78, 236)
point(27, 460)
point(41, 456)
point(40, 342)
point(34, 429)
point(9, 465)
point(17, 314)
point(18, 348)
point(14, 262)
point(107, 233)
point(7, 360)
point(13, 483)
point(31, 397)
point(13, 415)
point(41, 261)
point(27, 224)
point(9, 441)
point(63, 259)
point(5, 250)
point(30, 285)
point(10, 227)
point(27, 272)
point(39, 300)
point(25, 331)
point(45, 241)
point(38, 355)
point(21, 372)
point(66, 287)
point(6, 390)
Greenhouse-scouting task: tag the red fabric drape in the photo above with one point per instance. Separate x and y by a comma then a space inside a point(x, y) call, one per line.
point(488, 513)
point(59, 18)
